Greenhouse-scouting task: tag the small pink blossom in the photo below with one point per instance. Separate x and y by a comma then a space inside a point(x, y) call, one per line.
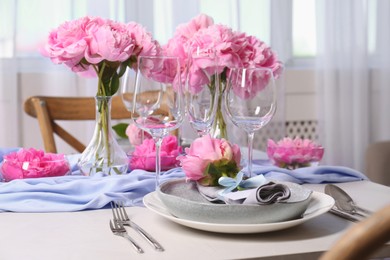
point(208, 158)
point(294, 153)
point(144, 155)
point(31, 163)
point(136, 135)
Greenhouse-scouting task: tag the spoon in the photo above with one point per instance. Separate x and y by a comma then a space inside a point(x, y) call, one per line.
point(344, 202)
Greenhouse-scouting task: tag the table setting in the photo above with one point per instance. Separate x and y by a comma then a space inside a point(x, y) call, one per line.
point(92, 196)
point(203, 201)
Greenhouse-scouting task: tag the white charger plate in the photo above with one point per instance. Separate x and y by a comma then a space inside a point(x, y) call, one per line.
point(320, 203)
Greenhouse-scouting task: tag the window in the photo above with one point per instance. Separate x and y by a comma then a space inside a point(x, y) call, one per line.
point(304, 29)
point(21, 33)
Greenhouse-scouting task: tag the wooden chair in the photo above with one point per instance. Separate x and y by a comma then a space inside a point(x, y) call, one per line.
point(378, 162)
point(50, 109)
point(363, 238)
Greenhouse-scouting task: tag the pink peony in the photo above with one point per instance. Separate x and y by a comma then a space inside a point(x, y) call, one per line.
point(233, 49)
point(93, 46)
point(179, 44)
point(144, 155)
point(208, 158)
point(294, 153)
point(135, 134)
point(31, 163)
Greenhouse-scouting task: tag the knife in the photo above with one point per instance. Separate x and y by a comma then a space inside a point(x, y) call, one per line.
point(344, 215)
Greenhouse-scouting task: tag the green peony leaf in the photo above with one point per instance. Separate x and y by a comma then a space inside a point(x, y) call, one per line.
point(114, 84)
point(221, 168)
point(120, 129)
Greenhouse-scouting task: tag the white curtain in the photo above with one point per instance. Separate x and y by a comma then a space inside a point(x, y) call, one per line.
point(352, 98)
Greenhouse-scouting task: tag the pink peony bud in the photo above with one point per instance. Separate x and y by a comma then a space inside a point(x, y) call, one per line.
point(208, 158)
point(144, 155)
point(294, 153)
point(31, 163)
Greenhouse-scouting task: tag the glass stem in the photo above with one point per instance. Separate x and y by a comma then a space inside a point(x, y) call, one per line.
point(250, 152)
point(158, 141)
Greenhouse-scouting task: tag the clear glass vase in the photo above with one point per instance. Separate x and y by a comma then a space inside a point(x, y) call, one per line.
point(103, 155)
point(218, 129)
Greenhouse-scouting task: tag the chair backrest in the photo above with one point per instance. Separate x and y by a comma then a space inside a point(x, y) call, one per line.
point(363, 238)
point(378, 162)
point(50, 109)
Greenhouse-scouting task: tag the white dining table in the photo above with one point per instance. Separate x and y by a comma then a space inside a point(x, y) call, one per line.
point(86, 234)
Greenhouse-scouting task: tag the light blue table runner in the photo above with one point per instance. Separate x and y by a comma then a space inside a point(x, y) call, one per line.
point(75, 192)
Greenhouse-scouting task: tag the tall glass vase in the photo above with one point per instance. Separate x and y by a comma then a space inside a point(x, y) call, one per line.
point(103, 155)
point(218, 129)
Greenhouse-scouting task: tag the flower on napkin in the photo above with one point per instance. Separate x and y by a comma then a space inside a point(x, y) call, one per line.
point(208, 159)
point(144, 155)
point(294, 153)
point(32, 163)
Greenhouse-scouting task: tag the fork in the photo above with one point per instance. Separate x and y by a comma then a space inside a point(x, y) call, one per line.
point(121, 217)
point(118, 229)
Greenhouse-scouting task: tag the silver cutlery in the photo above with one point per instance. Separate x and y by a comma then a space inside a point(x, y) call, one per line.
point(118, 229)
point(344, 202)
point(121, 216)
point(344, 215)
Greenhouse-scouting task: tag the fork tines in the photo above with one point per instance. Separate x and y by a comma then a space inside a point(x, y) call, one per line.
point(120, 216)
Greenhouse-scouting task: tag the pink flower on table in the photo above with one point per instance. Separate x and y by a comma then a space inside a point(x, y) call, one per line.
point(207, 159)
point(32, 163)
point(144, 155)
point(294, 153)
point(135, 134)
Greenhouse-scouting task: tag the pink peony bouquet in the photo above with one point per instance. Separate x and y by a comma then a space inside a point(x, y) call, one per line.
point(93, 46)
point(233, 49)
point(144, 155)
point(294, 153)
point(32, 163)
point(208, 159)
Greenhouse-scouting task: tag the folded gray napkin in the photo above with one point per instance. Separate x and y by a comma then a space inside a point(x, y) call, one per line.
point(265, 194)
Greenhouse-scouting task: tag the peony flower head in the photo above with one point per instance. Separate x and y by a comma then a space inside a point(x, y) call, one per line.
point(144, 155)
point(234, 50)
point(93, 46)
point(208, 159)
point(32, 163)
point(294, 153)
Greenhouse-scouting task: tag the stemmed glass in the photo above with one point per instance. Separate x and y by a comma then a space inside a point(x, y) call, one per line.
point(156, 99)
point(202, 91)
point(250, 101)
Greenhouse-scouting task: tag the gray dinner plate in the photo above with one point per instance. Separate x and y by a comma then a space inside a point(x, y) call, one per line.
point(183, 200)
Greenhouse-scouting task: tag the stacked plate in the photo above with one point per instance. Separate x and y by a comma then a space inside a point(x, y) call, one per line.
point(180, 201)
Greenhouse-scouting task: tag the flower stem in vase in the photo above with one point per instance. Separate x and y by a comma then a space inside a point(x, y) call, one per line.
point(218, 129)
point(103, 154)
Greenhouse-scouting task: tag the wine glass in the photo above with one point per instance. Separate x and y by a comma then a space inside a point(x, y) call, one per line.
point(250, 101)
point(156, 99)
point(202, 91)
